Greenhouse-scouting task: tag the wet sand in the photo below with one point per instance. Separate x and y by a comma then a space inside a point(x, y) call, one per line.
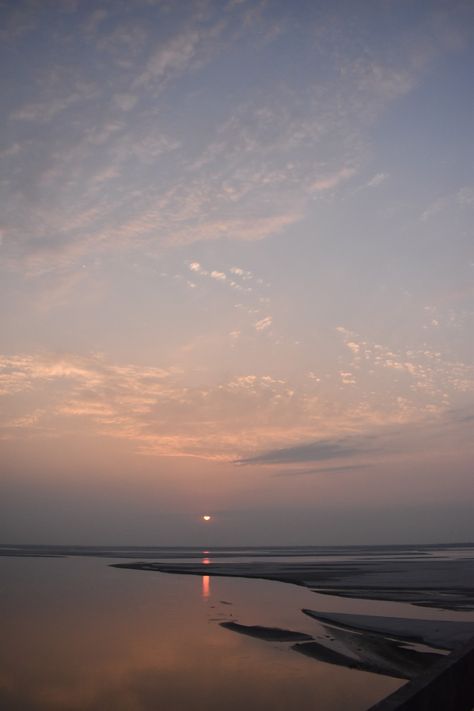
point(442, 634)
point(269, 634)
point(376, 653)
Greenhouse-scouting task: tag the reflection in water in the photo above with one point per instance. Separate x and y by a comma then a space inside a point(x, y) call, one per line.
point(206, 583)
point(80, 636)
point(206, 586)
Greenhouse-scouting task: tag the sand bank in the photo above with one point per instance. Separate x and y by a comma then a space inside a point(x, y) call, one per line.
point(442, 634)
point(343, 646)
point(269, 634)
point(438, 583)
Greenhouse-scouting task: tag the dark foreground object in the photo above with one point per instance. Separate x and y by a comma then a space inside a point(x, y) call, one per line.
point(448, 686)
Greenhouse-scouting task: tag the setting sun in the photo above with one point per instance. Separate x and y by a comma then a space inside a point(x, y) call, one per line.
point(236, 270)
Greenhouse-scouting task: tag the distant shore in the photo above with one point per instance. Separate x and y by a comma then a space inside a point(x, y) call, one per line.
point(446, 583)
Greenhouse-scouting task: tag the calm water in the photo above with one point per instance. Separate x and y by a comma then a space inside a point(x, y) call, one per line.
point(78, 635)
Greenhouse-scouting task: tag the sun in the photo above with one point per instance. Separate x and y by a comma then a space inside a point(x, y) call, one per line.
point(206, 517)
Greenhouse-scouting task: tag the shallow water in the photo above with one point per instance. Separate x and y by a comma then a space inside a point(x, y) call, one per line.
point(78, 635)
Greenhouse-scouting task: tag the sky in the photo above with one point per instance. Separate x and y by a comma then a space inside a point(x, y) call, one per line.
point(236, 271)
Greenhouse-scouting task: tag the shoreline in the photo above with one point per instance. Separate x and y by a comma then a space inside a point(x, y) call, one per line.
point(433, 583)
point(401, 648)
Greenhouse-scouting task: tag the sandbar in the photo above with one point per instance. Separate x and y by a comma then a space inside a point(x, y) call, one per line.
point(269, 634)
point(437, 583)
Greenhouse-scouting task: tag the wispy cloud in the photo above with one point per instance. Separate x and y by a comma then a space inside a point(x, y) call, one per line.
point(332, 181)
point(177, 54)
point(153, 408)
point(46, 110)
point(318, 451)
point(126, 102)
point(160, 413)
point(321, 470)
point(375, 447)
point(463, 198)
point(250, 177)
point(377, 180)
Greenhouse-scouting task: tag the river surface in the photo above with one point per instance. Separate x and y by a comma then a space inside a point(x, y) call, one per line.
point(78, 635)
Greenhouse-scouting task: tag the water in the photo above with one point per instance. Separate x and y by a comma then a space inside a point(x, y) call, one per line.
point(78, 635)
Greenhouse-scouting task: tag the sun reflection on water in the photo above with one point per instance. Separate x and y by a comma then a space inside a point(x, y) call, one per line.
point(206, 584)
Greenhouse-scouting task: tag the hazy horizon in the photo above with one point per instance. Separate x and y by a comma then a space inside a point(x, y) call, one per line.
point(236, 272)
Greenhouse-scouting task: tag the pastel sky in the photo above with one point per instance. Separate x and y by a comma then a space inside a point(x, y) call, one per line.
point(236, 271)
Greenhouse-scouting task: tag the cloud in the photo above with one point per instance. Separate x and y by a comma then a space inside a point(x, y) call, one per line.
point(218, 276)
point(319, 451)
point(347, 378)
point(264, 323)
point(126, 102)
point(422, 377)
point(248, 176)
point(189, 48)
point(44, 111)
point(12, 150)
point(94, 20)
point(59, 288)
point(461, 415)
point(246, 229)
point(174, 56)
point(433, 209)
point(450, 203)
point(377, 180)
point(378, 445)
point(321, 470)
point(160, 413)
point(107, 174)
point(332, 181)
point(154, 408)
point(465, 196)
point(243, 276)
point(23, 372)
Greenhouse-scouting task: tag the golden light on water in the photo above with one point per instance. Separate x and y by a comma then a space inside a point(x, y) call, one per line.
point(206, 587)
